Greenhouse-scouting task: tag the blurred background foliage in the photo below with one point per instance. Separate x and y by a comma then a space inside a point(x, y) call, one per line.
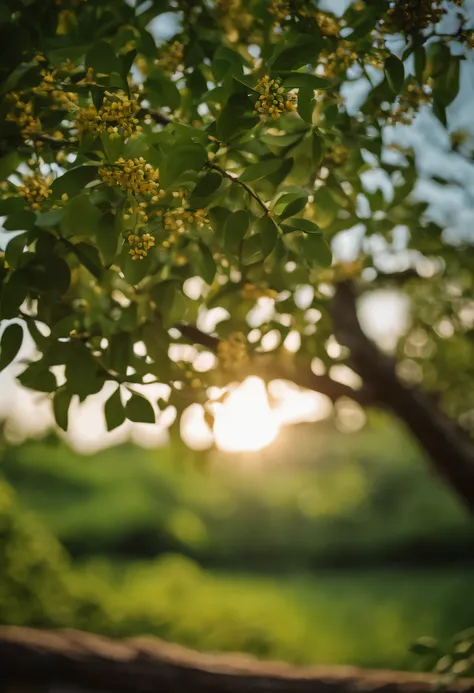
point(326, 547)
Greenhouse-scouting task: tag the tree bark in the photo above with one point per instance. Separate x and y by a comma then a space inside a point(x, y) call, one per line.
point(68, 658)
point(448, 448)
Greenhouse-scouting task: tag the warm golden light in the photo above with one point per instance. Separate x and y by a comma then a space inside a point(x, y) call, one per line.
point(245, 422)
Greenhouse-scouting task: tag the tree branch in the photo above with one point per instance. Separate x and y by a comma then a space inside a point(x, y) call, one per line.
point(450, 451)
point(71, 658)
point(269, 368)
point(54, 142)
point(235, 179)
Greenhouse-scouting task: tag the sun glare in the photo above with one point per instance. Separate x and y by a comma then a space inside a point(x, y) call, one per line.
point(245, 422)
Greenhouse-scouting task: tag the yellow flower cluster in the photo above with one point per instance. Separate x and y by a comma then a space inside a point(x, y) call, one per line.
point(407, 104)
point(48, 86)
point(140, 245)
point(338, 61)
point(281, 10)
point(413, 15)
point(273, 99)
point(337, 155)
point(171, 58)
point(226, 5)
point(115, 116)
point(459, 137)
point(327, 23)
point(252, 292)
point(134, 175)
point(341, 271)
point(468, 38)
point(189, 375)
point(177, 220)
point(232, 352)
point(22, 114)
point(35, 190)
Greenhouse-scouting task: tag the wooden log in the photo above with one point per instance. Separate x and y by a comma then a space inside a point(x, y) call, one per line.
point(73, 659)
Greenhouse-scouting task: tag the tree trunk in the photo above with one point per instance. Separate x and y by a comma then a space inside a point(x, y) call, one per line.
point(38, 659)
point(448, 448)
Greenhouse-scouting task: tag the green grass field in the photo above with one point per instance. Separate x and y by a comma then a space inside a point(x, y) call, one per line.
point(365, 618)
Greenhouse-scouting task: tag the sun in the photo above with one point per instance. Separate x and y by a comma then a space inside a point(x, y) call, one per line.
point(245, 422)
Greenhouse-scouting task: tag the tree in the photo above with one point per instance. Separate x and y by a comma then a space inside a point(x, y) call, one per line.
point(228, 152)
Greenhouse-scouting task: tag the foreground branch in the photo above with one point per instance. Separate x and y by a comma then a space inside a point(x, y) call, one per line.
point(72, 658)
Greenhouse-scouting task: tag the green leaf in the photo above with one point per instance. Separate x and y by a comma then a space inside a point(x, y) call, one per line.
point(119, 352)
point(182, 158)
point(47, 274)
point(20, 221)
point(81, 217)
point(134, 270)
point(48, 219)
point(226, 61)
point(235, 229)
point(268, 232)
point(316, 149)
point(235, 118)
point(439, 56)
point(172, 304)
point(88, 256)
point(107, 235)
point(9, 163)
point(419, 57)
point(252, 250)
point(16, 77)
point(325, 207)
point(302, 80)
point(83, 373)
point(11, 205)
point(365, 23)
point(15, 248)
point(290, 204)
point(446, 86)
point(10, 344)
point(306, 104)
point(217, 218)
point(161, 91)
point(139, 409)
point(74, 181)
point(207, 263)
point(61, 401)
point(282, 140)
point(14, 292)
point(296, 51)
point(38, 377)
point(113, 146)
point(101, 58)
point(424, 646)
point(395, 73)
point(302, 225)
point(156, 340)
point(317, 251)
point(440, 112)
point(207, 185)
point(114, 411)
point(260, 170)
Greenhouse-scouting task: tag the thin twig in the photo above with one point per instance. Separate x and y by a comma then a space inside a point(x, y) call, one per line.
point(235, 179)
point(55, 142)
